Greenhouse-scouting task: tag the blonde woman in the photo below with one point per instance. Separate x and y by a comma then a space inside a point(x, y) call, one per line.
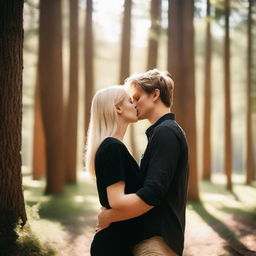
point(117, 173)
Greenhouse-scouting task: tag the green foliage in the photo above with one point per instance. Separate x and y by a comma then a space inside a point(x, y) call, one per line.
point(238, 12)
point(73, 201)
point(19, 240)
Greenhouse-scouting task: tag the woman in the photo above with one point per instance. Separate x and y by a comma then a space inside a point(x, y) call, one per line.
point(117, 173)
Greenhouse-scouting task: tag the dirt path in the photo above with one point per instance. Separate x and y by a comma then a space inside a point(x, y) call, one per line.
point(201, 238)
point(224, 224)
point(217, 239)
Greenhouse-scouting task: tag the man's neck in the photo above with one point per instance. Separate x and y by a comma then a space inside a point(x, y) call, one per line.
point(158, 113)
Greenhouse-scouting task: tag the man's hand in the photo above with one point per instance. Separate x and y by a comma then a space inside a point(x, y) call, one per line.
point(103, 219)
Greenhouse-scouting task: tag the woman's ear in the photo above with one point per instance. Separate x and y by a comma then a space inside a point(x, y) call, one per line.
point(119, 109)
point(156, 94)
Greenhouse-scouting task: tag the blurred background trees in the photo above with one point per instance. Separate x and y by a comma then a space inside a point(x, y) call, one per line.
point(207, 110)
point(89, 61)
point(72, 101)
point(181, 64)
point(213, 102)
point(51, 93)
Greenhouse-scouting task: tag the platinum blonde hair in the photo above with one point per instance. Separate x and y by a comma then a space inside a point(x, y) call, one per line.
point(103, 122)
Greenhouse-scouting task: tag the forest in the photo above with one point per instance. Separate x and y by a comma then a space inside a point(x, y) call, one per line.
point(54, 56)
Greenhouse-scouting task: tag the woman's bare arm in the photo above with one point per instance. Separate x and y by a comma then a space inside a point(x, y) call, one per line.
point(123, 206)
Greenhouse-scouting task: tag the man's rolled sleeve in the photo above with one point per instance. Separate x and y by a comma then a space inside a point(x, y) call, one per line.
point(163, 159)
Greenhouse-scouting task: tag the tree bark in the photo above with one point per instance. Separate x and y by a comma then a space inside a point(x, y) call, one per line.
point(181, 66)
point(51, 92)
point(39, 158)
point(89, 67)
point(249, 154)
point(12, 204)
point(72, 108)
point(207, 159)
point(228, 139)
point(154, 33)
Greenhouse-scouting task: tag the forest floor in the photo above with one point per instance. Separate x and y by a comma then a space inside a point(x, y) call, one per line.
point(222, 224)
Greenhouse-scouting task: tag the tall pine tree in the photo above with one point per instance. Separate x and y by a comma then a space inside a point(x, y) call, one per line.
point(51, 92)
point(12, 205)
point(181, 66)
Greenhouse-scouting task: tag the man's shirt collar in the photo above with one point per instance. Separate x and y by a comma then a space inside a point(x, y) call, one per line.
point(168, 116)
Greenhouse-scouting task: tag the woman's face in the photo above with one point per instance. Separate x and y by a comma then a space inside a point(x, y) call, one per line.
point(128, 110)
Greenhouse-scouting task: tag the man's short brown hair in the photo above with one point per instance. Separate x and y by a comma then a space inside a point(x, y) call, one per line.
point(154, 79)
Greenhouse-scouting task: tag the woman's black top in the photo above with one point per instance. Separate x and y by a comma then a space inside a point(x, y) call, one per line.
point(114, 163)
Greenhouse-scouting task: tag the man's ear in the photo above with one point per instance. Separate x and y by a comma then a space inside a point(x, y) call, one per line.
point(119, 109)
point(156, 94)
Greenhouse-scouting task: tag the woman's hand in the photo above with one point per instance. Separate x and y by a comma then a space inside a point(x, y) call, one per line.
point(103, 219)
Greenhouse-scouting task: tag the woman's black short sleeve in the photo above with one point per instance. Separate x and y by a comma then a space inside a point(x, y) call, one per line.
point(114, 163)
point(111, 162)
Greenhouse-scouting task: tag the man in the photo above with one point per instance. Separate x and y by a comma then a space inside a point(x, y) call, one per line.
point(164, 167)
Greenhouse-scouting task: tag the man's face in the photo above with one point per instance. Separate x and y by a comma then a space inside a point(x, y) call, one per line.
point(143, 101)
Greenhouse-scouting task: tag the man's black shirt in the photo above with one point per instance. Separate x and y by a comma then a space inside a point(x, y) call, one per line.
point(164, 167)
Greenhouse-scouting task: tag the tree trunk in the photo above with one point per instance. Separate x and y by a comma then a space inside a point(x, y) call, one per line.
point(207, 160)
point(228, 139)
point(181, 66)
point(154, 33)
point(249, 153)
point(39, 161)
point(89, 68)
point(51, 92)
point(126, 42)
point(125, 61)
point(12, 206)
point(72, 109)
